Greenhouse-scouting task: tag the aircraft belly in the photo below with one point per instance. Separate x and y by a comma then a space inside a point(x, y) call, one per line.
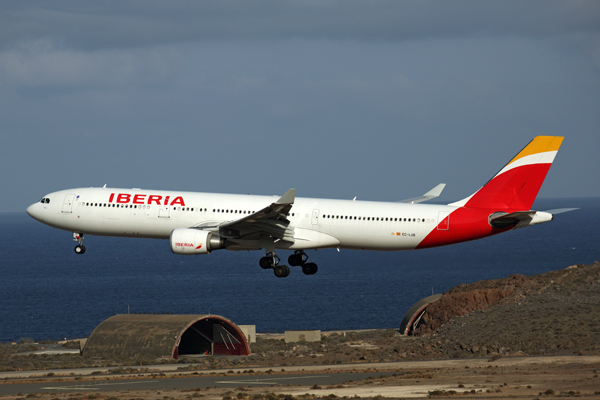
point(309, 239)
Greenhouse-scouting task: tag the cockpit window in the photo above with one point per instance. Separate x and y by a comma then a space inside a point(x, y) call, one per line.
point(45, 200)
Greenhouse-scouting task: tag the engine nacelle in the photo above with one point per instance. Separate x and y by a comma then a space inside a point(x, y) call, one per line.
point(188, 241)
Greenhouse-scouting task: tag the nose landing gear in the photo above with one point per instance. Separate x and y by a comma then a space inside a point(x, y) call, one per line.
point(78, 237)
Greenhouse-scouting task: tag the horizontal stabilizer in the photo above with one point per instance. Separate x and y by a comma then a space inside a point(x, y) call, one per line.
point(432, 194)
point(560, 210)
point(519, 219)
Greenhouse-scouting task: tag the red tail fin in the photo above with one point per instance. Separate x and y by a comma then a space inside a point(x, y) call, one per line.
point(518, 183)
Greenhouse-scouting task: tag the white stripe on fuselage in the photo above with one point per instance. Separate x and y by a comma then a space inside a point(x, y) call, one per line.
point(355, 224)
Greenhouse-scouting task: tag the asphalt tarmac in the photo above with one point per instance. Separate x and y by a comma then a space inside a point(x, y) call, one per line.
point(191, 382)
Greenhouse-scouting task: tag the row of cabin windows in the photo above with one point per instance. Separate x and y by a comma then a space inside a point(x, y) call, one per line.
point(174, 208)
point(252, 212)
point(219, 210)
point(135, 206)
point(113, 205)
point(374, 218)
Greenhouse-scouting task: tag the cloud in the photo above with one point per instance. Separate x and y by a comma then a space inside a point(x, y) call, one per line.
point(43, 63)
point(118, 24)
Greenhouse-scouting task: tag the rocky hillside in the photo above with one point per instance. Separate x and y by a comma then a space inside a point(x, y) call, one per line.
point(554, 312)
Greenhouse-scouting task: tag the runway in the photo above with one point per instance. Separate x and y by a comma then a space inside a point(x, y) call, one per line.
point(191, 382)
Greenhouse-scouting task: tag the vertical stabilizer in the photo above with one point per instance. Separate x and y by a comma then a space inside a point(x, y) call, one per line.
point(518, 183)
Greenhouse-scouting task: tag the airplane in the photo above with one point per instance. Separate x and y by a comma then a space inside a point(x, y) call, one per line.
point(199, 223)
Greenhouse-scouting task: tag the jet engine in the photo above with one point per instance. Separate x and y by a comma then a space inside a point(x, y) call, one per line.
point(189, 241)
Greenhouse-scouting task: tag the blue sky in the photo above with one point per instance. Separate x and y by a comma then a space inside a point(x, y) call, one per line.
point(381, 99)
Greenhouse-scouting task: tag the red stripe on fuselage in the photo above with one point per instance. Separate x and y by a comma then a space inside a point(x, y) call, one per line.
point(515, 189)
point(464, 224)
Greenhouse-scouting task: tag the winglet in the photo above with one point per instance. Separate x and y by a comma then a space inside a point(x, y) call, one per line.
point(288, 197)
point(432, 194)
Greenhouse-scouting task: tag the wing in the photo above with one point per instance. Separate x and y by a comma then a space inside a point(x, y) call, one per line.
point(271, 220)
point(432, 194)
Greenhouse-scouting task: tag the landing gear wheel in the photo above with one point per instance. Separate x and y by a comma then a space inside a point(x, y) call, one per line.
point(80, 249)
point(310, 268)
point(295, 260)
point(265, 263)
point(281, 271)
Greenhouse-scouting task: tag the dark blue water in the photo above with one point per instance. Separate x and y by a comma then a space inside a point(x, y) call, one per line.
point(49, 292)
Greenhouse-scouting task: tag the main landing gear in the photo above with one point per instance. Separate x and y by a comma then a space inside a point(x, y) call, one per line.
point(78, 237)
point(299, 258)
point(271, 260)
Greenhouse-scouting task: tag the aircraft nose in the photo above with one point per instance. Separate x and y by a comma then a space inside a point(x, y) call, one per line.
point(34, 211)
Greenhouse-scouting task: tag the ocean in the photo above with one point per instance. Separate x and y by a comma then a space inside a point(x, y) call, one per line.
point(47, 292)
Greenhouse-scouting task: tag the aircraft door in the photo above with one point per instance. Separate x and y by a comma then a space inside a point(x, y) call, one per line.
point(163, 211)
point(315, 217)
point(68, 203)
point(443, 221)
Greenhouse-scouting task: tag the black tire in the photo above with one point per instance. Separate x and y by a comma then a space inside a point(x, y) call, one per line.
point(265, 263)
point(281, 271)
point(310, 268)
point(79, 249)
point(295, 259)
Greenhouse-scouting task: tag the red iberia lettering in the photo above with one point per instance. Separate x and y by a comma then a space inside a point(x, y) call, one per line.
point(154, 199)
point(145, 199)
point(123, 198)
point(138, 199)
point(178, 200)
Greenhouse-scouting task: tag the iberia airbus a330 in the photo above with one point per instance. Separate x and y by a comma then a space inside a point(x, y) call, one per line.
point(199, 223)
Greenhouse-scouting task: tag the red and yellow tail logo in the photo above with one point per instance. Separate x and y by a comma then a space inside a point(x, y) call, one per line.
point(518, 183)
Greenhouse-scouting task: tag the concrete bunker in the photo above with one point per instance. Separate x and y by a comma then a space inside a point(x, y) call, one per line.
point(411, 319)
point(166, 336)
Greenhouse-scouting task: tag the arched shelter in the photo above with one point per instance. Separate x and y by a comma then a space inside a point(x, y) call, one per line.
point(165, 335)
point(413, 316)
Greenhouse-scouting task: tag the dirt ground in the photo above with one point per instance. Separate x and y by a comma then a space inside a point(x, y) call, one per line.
point(515, 377)
point(535, 337)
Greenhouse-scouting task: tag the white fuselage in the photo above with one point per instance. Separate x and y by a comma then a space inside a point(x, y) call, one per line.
point(317, 223)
